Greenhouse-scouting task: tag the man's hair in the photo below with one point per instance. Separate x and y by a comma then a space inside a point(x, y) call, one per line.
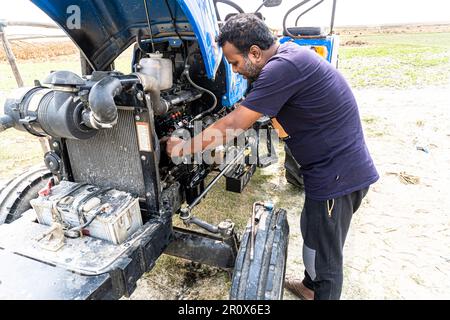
point(244, 30)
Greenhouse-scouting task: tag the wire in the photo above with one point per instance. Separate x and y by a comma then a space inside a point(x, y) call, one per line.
point(173, 21)
point(77, 231)
point(149, 25)
point(138, 41)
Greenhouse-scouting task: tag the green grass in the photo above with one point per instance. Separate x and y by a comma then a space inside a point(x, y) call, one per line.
point(397, 60)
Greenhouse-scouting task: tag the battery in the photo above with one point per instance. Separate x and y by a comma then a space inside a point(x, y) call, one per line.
point(115, 214)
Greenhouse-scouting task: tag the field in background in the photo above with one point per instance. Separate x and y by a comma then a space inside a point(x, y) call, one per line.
point(389, 58)
point(396, 60)
point(381, 57)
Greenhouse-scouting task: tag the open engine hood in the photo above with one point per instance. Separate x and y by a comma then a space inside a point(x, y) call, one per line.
point(103, 29)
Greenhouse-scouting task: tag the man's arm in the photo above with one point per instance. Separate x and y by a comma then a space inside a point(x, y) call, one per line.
point(240, 119)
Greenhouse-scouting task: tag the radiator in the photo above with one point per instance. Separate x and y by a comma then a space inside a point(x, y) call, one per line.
point(111, 158)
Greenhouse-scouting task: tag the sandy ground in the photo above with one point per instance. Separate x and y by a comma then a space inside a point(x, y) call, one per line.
point(398, 246)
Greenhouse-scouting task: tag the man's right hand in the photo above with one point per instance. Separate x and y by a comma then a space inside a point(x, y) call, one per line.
point(175, 146)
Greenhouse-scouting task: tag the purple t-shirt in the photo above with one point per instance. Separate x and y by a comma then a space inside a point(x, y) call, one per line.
point(315, 106)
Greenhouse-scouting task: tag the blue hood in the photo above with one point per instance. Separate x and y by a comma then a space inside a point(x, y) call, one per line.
point(108, 27)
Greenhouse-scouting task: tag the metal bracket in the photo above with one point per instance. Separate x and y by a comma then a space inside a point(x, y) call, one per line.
point(53, 239)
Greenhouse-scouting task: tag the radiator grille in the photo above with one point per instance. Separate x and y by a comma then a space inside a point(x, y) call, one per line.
point(111, 158)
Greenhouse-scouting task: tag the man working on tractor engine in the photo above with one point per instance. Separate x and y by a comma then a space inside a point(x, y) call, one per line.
point(315, 108)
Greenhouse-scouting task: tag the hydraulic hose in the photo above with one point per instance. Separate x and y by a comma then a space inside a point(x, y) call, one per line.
point(188, 77)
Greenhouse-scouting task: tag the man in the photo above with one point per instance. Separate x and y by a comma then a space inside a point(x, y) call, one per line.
point(316, 112)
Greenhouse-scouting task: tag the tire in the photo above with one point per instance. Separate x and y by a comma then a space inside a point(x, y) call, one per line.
point(15, 196)
point(292, 168)
point(263, 277)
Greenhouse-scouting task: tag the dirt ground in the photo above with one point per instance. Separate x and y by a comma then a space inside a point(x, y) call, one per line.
point(398, 246)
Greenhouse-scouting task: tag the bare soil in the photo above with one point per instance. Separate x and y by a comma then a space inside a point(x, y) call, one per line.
point(399, 240)
point(399, 244)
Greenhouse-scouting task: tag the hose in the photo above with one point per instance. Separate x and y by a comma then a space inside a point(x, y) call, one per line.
point(101, 101)
point(188, 77)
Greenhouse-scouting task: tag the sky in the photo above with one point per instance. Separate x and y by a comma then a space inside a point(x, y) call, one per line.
point(348, 12)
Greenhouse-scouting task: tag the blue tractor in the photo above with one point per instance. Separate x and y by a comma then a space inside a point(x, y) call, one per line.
point(326, 44)
point(91, 222)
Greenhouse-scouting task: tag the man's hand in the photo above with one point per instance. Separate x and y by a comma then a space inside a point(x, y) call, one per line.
point(174, 147)
point(241, 118)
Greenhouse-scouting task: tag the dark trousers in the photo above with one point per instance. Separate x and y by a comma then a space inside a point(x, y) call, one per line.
point(324, 226)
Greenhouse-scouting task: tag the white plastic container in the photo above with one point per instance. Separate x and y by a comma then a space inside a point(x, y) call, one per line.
point(159, 68)
point(69, 202)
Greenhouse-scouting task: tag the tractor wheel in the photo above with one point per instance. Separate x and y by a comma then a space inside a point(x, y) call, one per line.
point(263, 277)
point(15, 196)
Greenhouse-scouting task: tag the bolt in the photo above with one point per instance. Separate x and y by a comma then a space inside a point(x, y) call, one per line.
point(55, 144)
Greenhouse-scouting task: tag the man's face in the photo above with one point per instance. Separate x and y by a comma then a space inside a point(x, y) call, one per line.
point(246, 65)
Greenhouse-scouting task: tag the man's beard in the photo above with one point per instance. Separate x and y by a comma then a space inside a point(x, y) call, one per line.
point(251, 70)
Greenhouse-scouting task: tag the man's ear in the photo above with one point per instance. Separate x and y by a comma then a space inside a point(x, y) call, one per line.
point(255, 54)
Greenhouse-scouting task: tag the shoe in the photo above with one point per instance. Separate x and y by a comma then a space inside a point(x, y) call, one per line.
point(298, 288)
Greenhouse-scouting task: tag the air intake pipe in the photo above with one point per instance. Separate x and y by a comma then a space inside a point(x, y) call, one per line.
point(155, 74)
point(103, 109)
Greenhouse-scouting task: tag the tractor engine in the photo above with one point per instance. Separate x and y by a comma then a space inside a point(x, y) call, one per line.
point(104, 129)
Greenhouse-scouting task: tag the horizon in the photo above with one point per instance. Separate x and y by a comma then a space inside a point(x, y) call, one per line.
point(349, 13)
